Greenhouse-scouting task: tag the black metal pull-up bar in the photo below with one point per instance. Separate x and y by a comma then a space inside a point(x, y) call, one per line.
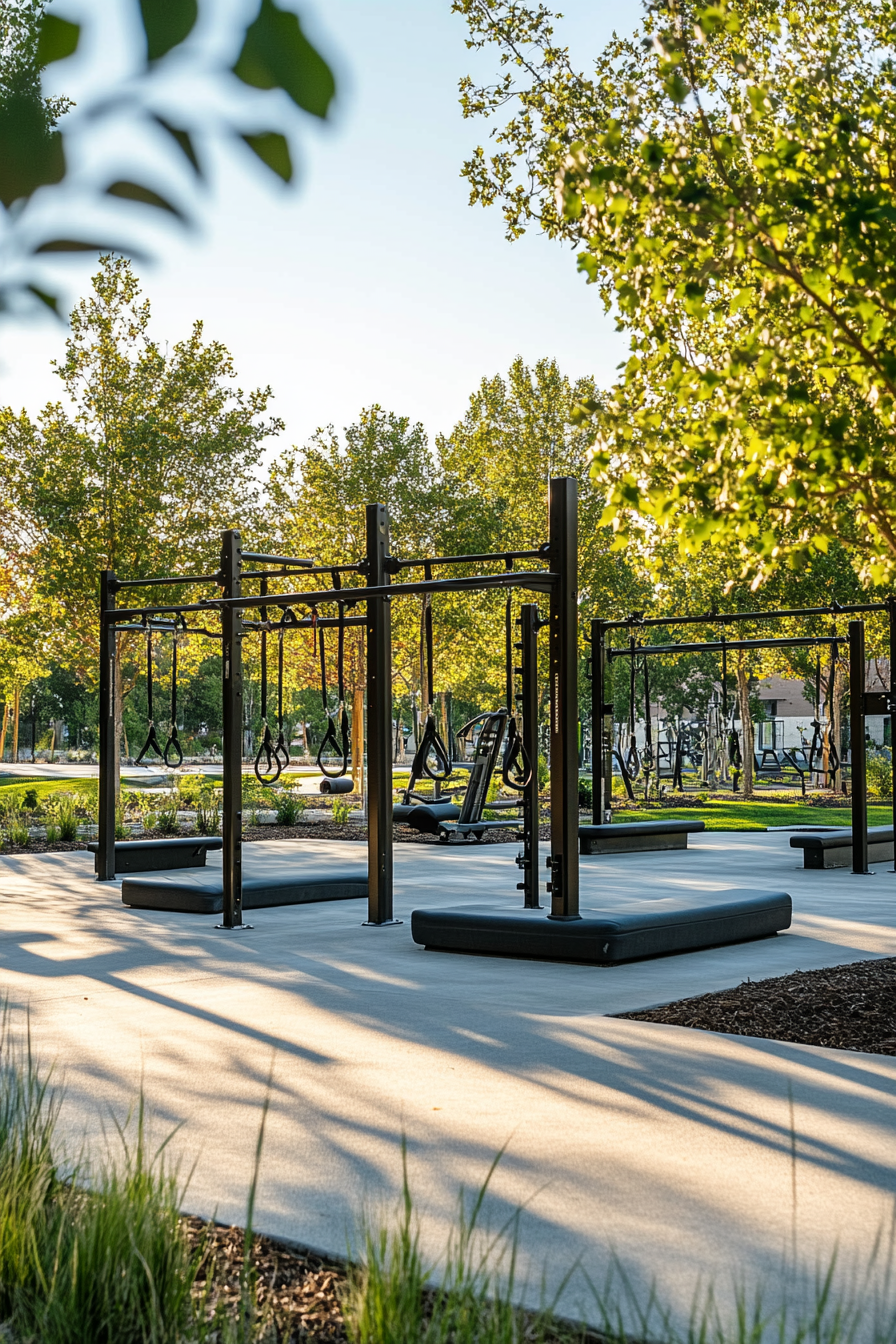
point(723, 645)
point(636, 621)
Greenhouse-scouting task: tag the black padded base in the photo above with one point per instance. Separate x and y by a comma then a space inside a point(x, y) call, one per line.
point(833, 849)
point(154, 856)
point(636, 837)
point(601, 937)
point(203, 893)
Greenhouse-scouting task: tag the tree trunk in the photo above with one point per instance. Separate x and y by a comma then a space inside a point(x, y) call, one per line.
point(358, 740)
point(746, 726)
point(3, 730)
point(17, 698)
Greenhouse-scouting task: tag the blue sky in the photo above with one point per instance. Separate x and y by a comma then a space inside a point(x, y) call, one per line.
point(374, 280)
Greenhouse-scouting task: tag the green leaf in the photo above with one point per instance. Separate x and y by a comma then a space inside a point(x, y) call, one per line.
point(134, 191)
point(166, 24)
point(277, 54)
point(51, 300)
point(273, 150)
point(73, 245)
point(56, 39)
point(183, 141)
point(31, 155)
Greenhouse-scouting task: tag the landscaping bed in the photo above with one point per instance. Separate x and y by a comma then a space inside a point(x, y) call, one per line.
point(850, 1007)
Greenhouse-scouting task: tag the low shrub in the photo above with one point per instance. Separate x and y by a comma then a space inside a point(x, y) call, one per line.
point(208, 822)
point(341, 811)
point(64, 812)
point(30, 800)
point(15, 826)
point(290, 805)
point(544, 773)
point(585, 795)
point(879, 773)
point(166, 817)
point(52, 832)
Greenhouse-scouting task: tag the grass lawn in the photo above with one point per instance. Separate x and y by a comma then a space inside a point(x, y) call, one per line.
point(755, 815)
point(45, 788)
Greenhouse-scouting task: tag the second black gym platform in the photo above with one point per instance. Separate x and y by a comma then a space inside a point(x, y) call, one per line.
point(636, 837)
point(603, 937)
point(202, 893)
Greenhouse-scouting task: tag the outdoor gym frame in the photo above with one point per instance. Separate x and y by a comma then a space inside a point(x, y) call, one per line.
point(869, 702)
point(558, 581)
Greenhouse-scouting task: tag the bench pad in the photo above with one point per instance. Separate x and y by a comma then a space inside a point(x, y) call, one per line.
point(833, 849)
point(203, 893)
point(636, 836)
point(145, 856)
point(602, 937)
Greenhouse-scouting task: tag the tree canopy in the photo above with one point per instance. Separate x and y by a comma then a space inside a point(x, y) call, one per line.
point(726, 176)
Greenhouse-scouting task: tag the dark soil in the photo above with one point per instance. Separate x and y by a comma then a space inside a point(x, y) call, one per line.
point(297, 1290)
point(43, 847)
point(845, 1007)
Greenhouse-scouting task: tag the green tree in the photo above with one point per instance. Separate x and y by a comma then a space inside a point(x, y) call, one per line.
point(726, 176)
point(319, 493)
point(518, 431)
point(155, 456)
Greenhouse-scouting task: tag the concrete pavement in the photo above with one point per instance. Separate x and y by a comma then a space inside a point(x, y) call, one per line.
point(670, 1149)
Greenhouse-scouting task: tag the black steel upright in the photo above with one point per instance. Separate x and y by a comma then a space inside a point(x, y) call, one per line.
point(105, 859)
point(232, 745)
point(528, 703)
point(601, 730)
point(563, 663)
point(857, 746)
point(379, 722)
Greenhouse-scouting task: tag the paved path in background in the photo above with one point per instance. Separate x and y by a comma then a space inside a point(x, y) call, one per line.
point(671, 1147)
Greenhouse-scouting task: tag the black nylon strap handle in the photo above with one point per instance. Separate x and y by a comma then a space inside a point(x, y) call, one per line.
point(332, 743)
point(152, 742)
point(648, 727)
point(173, 755)
point(281, 749)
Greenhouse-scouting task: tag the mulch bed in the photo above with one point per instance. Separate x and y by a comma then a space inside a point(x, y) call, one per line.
point(313, 830)
point(845, 1007)
point(297, 1290)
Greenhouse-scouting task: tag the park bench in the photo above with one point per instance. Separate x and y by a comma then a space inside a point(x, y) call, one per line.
point(633, 837)
point(833, 849)
point(152, 856)
point(601, 937)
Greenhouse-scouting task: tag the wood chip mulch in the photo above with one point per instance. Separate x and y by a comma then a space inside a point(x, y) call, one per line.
point(300, 1292)
point(297, 1289)
point(849, 1007)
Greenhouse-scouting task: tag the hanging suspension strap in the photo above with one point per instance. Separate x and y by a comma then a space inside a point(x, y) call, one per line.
point(281, 750)
point(833, 753)
point(172, 754)
point(648, 761)
point(267, 763)
point(431, 759)
point(330, 741)
point(632, 759)
point(678, 761)
point(816, 748)
point(516, 768)
point(152, 742)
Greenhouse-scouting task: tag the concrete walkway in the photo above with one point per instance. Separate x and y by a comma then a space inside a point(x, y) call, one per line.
point(672, 1148)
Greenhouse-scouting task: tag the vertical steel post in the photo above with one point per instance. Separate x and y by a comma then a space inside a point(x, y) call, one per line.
point(528, 701)
point(563, 662)
point(379, 724)
point(105, 859)
point(232, 744)
point(857, 746)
